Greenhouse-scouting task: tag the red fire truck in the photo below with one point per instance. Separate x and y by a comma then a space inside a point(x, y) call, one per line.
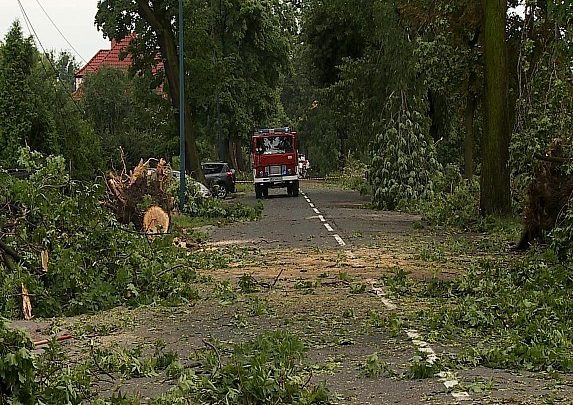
point(275, 161)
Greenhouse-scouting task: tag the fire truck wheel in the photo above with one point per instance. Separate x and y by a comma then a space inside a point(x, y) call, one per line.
point(258, 191)
point(289, 189)
point(295, 189)
point(265, 192)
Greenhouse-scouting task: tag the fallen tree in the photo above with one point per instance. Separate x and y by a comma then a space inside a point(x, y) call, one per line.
point(62, 252)
point(548, 195)
point(144, 191)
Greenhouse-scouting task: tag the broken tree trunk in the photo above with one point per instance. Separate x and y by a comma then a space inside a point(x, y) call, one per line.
point(128, 191)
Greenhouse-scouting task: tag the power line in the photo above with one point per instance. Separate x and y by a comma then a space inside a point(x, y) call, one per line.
point(60, 32)
point(46, 55)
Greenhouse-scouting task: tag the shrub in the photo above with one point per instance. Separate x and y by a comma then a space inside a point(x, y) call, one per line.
point(17, 368)
point(455, 201)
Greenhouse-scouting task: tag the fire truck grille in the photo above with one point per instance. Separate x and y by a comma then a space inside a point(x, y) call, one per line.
point(275, 170)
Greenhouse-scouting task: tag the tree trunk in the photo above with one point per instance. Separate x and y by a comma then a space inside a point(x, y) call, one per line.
point(495, 197)
point(438, 114)
point(235, 154)
point(469, 119)
point(162, 26)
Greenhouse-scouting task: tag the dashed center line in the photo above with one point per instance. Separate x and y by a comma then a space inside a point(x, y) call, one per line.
point(339, 240)
point(329, 228)
point(447, 378)
point(380, 292)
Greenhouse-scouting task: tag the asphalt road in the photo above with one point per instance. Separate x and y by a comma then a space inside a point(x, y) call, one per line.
point(307, 220)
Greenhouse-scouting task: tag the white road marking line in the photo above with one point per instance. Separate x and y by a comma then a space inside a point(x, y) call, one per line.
point(447, 378)
point(337, 237)
point(339, 240)
point(450, 381)
point(422, 346)
point(380, 292)
point(388, 304)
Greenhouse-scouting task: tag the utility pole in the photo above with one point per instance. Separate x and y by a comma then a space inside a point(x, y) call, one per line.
point(182, 179)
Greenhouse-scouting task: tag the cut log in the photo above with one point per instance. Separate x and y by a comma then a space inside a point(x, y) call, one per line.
point(156, 220)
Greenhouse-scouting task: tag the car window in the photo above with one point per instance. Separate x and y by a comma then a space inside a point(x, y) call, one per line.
point(212, 168)
point(272, 145)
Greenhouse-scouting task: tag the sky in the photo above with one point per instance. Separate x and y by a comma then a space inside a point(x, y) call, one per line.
point(74, 18)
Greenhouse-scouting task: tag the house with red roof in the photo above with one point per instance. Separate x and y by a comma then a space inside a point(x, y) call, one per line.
point(110, 58)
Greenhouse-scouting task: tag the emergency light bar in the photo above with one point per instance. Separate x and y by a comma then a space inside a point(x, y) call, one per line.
point(273, 130)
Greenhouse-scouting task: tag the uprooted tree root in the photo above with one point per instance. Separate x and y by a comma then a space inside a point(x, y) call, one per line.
point(548, 194)
point(127, 194)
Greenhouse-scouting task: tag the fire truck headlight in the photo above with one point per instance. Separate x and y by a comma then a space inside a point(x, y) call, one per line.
point(289, 171)
point(261, 173)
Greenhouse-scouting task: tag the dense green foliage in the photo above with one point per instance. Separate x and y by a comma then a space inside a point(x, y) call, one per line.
point(127, 112)
point(266, 370)
point(36, 109)
point(16, 60)
point(237, 55)
point(17, 368)
point(521, 315)
point(94, 263)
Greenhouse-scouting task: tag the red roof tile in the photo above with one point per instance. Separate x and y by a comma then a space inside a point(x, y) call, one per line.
point(109, 57)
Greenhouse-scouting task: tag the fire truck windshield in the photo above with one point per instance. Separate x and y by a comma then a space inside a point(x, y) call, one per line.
point(272, 145)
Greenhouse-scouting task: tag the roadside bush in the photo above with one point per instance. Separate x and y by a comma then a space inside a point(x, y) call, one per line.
point(455, 201)
point(17, 368)
point(92, 263)
point(353, 177)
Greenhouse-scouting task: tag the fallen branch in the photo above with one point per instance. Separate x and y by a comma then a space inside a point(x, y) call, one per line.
point(9, 251)
point(277, 278)
point(178, 266)
point(58, 339)
point(214, 348)
point(553, 159)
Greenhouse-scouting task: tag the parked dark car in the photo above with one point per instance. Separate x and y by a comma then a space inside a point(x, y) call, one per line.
point(220, 178)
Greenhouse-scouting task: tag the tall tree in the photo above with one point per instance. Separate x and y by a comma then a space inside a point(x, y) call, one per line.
point(16, 116)
point(495, 197)
point(153, 22)
point(126, 112)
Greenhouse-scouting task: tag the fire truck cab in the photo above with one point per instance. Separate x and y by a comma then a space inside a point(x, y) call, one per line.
point(274, 156)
